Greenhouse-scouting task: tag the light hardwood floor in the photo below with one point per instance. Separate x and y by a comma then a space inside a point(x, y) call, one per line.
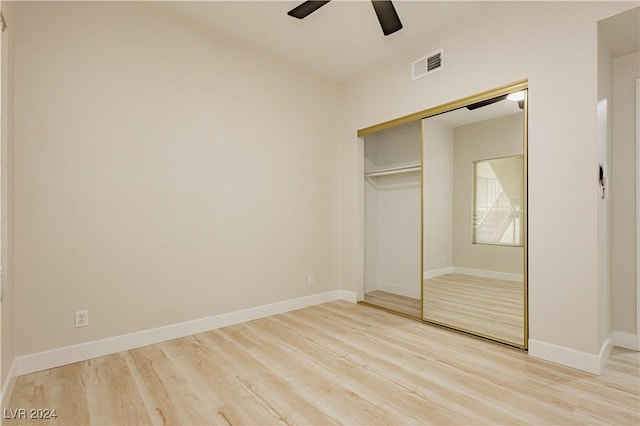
point(336, 363)
point(487, 306)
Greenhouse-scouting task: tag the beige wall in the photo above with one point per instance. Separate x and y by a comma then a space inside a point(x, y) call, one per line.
point(7, 344)
point(626, 69)
point(499, 137)
point(438, 196)
point(603, 111)
point(163, 174)
point(560, 65)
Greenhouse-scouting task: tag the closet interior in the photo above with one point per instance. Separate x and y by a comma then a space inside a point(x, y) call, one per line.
point(392, 196)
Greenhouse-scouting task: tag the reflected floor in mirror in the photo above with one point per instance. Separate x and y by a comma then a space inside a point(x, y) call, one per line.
point(487, 306)
point(395, 302)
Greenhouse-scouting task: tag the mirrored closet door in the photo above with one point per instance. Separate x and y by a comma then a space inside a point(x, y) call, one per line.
point(445, 224)
point(474, 218)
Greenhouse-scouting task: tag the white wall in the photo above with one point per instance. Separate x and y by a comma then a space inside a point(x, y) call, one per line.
point(603, 111)
point(396, 147)
point(498, 137)
point(554, 46)
point(438, 143)
point(626, 69)
point(399, 238)
point(163, 173)
point(371, 240)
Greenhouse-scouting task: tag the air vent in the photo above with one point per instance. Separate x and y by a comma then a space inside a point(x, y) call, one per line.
point(427, 64)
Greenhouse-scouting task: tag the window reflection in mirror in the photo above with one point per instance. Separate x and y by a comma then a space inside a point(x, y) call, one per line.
point(497, 201)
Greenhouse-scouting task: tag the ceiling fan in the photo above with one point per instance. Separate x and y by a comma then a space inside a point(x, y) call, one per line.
point(387, 15)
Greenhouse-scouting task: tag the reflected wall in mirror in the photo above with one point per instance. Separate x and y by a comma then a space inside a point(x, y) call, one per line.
point(392, 219)
point(474, 219)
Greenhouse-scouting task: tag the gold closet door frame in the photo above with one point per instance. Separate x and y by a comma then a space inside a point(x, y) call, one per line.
point(520, 85)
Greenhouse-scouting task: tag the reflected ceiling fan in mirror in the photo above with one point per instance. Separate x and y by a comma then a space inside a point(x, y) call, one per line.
point(386, 12)
point(516, 96)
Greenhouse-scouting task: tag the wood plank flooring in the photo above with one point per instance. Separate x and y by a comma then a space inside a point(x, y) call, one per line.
point(335, 363)
point(488, 306)
point(395, 302)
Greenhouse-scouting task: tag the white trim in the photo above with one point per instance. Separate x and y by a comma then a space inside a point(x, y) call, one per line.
point(30, 363)
point(484, 273)
point(437, 272)
point(488, 274)
point(605, 351)
point(348, 296)
point(571, 357)
point(8, 385)
point(626, 340)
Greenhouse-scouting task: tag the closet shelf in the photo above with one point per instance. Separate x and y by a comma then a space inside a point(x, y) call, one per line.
point(393, 170)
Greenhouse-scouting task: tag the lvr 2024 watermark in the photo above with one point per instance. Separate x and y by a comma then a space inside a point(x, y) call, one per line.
point(29, 413)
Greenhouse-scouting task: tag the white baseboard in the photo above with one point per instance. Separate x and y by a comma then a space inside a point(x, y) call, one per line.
point(349, 296)
point(571, 357)
point(30, 363)
point(626, 340)
point(7, 386)
point(474, 272)
point(437, 272)
point(605, 351)
point(488, 274)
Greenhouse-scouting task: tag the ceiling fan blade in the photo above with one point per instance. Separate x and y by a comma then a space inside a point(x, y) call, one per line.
point(387, 15)
point(307, 8)
point(486, 102)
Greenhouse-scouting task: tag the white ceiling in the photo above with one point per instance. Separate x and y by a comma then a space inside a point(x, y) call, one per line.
point(339, 40)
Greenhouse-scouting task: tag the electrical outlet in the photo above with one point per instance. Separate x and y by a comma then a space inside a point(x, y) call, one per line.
point(82, 318)
point(312, 279)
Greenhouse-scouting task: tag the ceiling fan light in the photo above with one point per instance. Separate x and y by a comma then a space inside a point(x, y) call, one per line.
point(516, 96)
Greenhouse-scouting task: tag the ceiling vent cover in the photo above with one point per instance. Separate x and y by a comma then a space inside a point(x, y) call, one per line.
point(427, 64)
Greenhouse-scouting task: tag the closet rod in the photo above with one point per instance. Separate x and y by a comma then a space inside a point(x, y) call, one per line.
point(394, 170)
